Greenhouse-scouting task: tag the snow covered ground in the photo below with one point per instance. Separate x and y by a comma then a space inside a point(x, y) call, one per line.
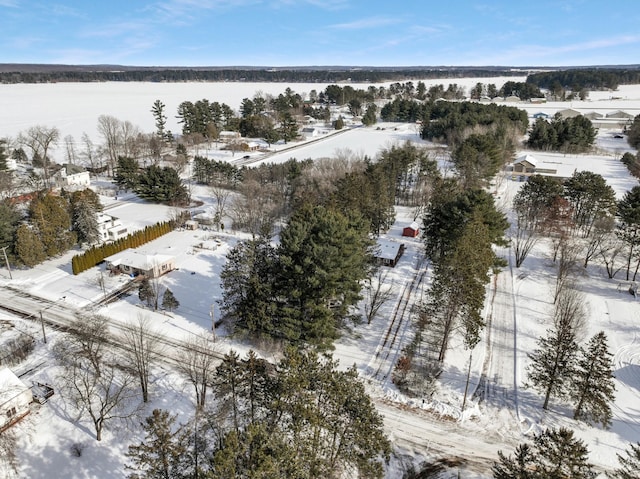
point(519, 305)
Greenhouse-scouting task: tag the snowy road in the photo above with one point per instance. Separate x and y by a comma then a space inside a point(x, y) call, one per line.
point(498, 385)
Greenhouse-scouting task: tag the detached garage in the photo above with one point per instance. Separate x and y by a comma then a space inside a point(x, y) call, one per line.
point(15, 398)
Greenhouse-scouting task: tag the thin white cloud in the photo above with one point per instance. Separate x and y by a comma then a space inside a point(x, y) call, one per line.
point(9, 3)
point(366, 23)
point(542, 51)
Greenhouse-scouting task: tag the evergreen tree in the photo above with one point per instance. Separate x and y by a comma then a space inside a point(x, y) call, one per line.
point(593, 388)
point(555, 453)
point(50, 216)
point(169, 301)
point(633, 133)
point(127, 172)
point(552, 364)
point(160, 455)
point(288, 127)
point(630, 464)
point(369, 117)
point(3, 154)
point(160, 118)
point(9, 221)
point(323, 257)
point(591, 198)
point(521, 466)
point(247, 282)
point(85, 206)
point(146, 293)
point(163, 185)
point(29, 249)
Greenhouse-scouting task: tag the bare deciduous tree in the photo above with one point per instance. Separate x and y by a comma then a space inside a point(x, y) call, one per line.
point(106, 397)
point(567, 260)
point(570, 312)
point(376, 294)
point(221, 196)
point(198, 362)
point(109, 129)
point(8, 458)
point(524, 239)
point(70, 149)
point(141, 350)
point(40, 139)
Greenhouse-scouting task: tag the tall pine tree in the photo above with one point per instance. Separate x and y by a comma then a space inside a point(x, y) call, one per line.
point(555, 453)
point(630, 464)
point(593, 388)
point(159, 455)
point(552, 364)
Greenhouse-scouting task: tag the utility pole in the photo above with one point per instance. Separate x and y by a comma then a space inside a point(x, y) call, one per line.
point(44, 335)
point(4, 250)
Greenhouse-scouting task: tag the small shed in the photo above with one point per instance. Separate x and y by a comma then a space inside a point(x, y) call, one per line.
point(191, 225)
point(15, 397)
point(388, 252)
point(411, 231)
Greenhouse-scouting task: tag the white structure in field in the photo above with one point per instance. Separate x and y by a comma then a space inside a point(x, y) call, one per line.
point(110, 228)
point(134, 262)
point(15, 397)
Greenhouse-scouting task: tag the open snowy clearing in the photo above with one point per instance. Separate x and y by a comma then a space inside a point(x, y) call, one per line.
point(518, 310)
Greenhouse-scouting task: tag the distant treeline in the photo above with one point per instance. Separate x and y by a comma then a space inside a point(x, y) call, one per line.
point(249, 75)
point(590, 79)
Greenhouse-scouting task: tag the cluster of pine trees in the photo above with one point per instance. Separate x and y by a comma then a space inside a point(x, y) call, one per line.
point(51, 226)
point(557, 453)
point(300, 418)
point(569, 135)
point(153, 183)
point(97, 254)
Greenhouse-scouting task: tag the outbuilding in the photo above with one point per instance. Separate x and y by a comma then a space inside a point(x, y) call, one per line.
point(411, 231)
point(15, 397)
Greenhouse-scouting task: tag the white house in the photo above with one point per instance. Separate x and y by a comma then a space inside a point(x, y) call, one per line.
point(15, 397)
point(73, 176)
point(110, 228)
point(134, 262)
point(309, 132)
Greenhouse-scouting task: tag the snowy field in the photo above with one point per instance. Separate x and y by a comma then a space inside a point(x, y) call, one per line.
point(519, 306)
point(74, 108)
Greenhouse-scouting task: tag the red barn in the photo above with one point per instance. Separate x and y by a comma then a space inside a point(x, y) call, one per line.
point(411, 231)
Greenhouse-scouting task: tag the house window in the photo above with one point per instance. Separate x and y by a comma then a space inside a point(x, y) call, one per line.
point(11, 412)
point(164, 267)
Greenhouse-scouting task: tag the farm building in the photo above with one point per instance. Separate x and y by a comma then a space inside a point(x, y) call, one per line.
point(411, 231)
point(135, 263)
point(388, 252)
point(15, 397)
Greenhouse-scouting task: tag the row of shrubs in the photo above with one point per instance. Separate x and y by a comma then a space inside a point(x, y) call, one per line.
point(97, 254)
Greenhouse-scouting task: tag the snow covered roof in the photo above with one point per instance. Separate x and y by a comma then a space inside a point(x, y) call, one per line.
point(414, 226)
point(138, 260)
point(387, 249)
point(10, 386)
point(528, 158)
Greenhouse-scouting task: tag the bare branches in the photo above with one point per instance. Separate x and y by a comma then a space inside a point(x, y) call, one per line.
point(141, 350)
point(198, 362)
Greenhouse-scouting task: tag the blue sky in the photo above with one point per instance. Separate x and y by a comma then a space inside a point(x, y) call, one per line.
point(320, 32)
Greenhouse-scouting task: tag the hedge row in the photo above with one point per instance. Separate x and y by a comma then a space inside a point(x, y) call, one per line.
point(96, 254)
